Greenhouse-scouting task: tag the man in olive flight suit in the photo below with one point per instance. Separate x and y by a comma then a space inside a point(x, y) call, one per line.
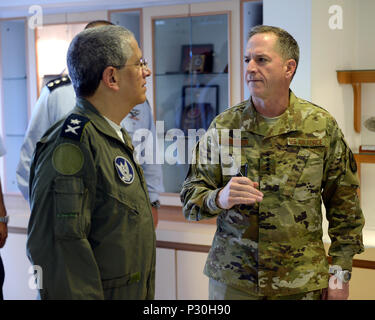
point(91, 229)
point(284, 156)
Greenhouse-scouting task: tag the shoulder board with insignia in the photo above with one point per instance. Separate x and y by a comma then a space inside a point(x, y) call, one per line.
point(73, 126)
point(58, 82)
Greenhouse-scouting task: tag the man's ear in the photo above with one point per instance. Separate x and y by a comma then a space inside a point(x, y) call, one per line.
point(291, 66)
point(110, 78)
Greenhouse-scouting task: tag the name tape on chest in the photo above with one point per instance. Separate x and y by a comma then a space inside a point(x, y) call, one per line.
point(302, 142)
point(73, 126)
point(124, 170)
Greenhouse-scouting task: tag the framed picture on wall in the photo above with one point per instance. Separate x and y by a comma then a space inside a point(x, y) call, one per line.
point(199, 107)
point(197, 58)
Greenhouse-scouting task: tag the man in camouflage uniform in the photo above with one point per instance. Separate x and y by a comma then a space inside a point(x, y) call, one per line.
point(91, 229)
point(291, 155)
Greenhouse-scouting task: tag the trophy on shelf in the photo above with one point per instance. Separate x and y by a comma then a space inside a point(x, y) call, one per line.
point(368, 135)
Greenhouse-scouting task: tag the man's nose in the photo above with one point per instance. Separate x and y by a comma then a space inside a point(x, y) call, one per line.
point(251, 66)
point(147, 71)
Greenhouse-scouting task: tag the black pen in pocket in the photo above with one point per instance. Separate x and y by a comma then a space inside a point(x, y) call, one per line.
point(239, 174)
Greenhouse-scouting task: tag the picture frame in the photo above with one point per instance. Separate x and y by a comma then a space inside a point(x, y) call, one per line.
point(197, 58)
point(200, 105)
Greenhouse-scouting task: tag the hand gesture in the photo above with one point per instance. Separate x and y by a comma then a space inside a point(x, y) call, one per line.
point(239, 190)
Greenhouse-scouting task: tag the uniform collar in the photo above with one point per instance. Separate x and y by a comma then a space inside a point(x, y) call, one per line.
point(290, 120)
point(86, 108)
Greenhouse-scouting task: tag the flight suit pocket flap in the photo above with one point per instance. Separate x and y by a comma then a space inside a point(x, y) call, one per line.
point(122, 281)
point(68, 194)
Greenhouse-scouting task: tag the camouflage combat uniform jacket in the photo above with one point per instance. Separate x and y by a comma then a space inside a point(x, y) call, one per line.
point(91, 227)
point(275, 247)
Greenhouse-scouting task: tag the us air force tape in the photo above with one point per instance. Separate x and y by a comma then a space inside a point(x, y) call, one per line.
point(73, 126)
point(124, 169)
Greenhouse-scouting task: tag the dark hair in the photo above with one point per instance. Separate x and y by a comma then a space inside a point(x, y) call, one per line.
point(94, 49)
point(97, 23)
point(286, 44)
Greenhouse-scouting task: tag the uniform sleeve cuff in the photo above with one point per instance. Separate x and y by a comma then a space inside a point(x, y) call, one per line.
point(211, 202)
point(344, 262)
point(154, 196)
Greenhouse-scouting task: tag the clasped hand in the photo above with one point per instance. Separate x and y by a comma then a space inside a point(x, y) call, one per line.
point(239, 190)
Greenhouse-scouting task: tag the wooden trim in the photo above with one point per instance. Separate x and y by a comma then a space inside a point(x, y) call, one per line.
point(364, 264)
point(38, 88)
point(357, 93)
point(356, 78)
point(183, 246)
point(357, 263)
point(153, 71)
point(174, 213)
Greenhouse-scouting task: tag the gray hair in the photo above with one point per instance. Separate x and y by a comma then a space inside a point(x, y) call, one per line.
point(93, 50)
point(287, 46)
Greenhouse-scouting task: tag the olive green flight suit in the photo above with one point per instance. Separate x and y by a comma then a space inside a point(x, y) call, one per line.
point(91, 228)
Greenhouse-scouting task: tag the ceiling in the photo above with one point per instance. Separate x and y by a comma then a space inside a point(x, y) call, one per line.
point(20, 8)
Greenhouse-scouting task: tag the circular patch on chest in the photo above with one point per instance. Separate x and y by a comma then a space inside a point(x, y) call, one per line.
point(124, 170)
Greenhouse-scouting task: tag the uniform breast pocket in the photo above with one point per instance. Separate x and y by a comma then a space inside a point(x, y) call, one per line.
point(304, 174)
point(68, 193)
point(123, 210)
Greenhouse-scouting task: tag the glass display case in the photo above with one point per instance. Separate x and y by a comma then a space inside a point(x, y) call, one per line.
point(191, 86)
point(14, 90)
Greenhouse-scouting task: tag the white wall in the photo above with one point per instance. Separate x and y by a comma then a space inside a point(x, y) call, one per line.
point(295, 17)
point(352, 47)
point(334, 50)
point(366, 60)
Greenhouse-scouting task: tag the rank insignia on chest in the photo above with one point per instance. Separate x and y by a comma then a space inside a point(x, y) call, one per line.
point(124, 169)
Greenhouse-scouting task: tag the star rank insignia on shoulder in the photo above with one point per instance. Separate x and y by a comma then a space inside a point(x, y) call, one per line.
point(73, 126)
point(58, 82)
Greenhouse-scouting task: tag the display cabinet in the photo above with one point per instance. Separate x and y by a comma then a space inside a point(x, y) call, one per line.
point(191, 85)
point(14, 95)
point(251, 15)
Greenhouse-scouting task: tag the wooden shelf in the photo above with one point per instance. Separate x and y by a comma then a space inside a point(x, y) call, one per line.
point(356, 78)
point(174, 213)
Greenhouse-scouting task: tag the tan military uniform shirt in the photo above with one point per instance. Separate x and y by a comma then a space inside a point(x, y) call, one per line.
point(275, 247)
